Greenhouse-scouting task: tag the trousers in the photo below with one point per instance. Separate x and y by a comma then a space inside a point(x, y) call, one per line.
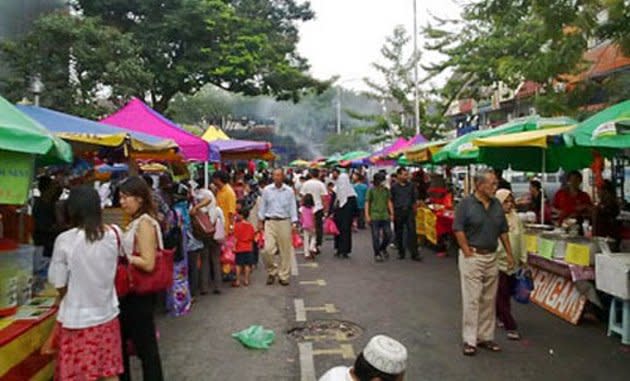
point(381, 235)
point(405, 230)
point(504, 294)
point(137, 324)
point(278, 239)
point(479, 280)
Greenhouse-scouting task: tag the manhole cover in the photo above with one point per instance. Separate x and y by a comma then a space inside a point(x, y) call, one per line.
point(339, 330)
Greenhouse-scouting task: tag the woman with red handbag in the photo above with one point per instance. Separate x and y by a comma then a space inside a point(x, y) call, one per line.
point(83, 266)
point(142, 238)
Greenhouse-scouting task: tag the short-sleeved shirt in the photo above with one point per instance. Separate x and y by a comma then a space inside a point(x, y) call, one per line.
point(87, 269)
point(404, 196)
point(378, 199)
point(361, 190)
point(567, 203)
point(482, 226)
point(244, 233)
point(317, 189)
point(339, 373)
point(226, 201)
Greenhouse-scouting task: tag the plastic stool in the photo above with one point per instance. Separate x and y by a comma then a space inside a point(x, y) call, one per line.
point(620, 327)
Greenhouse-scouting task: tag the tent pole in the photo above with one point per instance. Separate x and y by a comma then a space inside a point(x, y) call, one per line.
point(205, 175)
point(542, 194)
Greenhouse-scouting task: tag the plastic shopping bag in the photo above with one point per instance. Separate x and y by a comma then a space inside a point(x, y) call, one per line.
point(296, 240)
point(330, 227)
point(255, 337)
point(523, 286)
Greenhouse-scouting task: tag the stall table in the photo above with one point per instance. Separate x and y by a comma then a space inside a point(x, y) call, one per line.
point(20, 343)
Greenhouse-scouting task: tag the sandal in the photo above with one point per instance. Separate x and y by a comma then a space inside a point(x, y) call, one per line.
point(489, 345)
point(513, 335)
point(469, 350)
point(246, 283)
point(236, 284)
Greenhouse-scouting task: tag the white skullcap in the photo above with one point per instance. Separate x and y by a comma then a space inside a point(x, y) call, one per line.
point(386, 354)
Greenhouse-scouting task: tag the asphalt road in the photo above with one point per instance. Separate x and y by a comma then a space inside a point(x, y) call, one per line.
point(416, 303)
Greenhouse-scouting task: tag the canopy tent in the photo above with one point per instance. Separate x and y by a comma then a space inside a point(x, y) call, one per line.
point(213, 133)
point(80, 130)
point(137, 116)
point(415, 141)
point(533, 151)
point(353, 158)
point(299, 163)
point(377, 157)
point(235, 149)
point(461, 151)
point(542, 150)
point(607, 131)
point(422, 153)
point(21, 133)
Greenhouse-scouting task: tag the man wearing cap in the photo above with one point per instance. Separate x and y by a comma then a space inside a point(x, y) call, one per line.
point(383, 359)
point(479, 224)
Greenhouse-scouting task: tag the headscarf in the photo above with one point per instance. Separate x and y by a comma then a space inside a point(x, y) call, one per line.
point(512, 216)
point(502, 195)
point(344, 189)
point(214, 211)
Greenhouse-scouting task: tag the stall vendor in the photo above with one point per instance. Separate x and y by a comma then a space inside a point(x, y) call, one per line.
point(605, 214)
point(571, 201)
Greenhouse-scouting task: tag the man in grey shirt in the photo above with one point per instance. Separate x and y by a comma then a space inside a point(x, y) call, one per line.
point(479, 224)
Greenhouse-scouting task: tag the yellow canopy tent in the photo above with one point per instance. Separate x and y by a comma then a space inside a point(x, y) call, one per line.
point(213, 133)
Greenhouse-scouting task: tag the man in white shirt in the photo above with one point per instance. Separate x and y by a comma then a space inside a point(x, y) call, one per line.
point(383, 359)
point(316, 188)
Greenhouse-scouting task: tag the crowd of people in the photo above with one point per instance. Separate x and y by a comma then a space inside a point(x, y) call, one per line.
point(256, 216)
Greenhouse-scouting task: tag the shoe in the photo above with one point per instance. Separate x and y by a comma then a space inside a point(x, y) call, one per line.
point(378, 258)
point(385, 254)
point(417, 258)
point(271, 279)
point(513, 335)
point(346, 255)
point(284, 282)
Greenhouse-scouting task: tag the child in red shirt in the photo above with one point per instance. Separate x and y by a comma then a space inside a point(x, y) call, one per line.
point(244, 233)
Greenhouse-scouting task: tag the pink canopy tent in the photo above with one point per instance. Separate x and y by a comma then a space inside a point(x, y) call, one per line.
point(137, 116)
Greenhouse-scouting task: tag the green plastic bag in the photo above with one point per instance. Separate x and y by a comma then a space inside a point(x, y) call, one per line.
point(255, 337)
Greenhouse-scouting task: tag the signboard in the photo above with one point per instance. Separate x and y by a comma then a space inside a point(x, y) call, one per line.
point(557, 295)
point(16, 175)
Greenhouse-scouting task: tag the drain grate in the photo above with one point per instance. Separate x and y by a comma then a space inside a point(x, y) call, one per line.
point(338, 330)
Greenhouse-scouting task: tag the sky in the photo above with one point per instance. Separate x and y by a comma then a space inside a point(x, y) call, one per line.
point(346, 35)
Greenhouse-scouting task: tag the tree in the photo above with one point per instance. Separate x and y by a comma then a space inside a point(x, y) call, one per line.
point(616, 25)
point(245, 46)
point(208, 106)
point(77, 58)
point(395, 94)
point(511, 42)
point(343, 143)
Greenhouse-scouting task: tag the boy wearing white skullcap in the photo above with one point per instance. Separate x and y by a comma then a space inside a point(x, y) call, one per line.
point(383, 359)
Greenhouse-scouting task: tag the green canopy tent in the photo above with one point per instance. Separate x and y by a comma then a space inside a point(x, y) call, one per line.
point(608, 131)
point(462, 151)
point(20, 133)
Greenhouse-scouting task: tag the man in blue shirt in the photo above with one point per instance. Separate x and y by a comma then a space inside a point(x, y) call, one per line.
point(360, 187)
point(278, 218)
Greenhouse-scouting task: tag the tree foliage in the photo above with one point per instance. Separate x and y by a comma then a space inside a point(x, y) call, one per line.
point(77, 58)
point(245, 46)
point(395, 93)
point(513, 41)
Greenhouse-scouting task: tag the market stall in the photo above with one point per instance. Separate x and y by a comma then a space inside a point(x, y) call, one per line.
point(25, 321)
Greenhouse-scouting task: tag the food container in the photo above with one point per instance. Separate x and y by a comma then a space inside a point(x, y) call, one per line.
point(612, 274)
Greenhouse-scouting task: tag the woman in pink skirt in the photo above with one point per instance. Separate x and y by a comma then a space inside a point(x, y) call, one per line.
point(83, 268)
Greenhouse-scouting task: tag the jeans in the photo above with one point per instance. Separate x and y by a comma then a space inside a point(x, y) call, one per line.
point(381, 235)
point(405, 223)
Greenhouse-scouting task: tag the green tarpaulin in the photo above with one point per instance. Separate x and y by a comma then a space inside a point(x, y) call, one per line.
point(607, 131)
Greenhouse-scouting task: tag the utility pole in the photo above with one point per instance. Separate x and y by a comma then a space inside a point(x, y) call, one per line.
point(339, 109)
point(415, 67)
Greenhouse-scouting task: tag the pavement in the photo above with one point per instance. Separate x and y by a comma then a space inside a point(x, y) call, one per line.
point(416, 303)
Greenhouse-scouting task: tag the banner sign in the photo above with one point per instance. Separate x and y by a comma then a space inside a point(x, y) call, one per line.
point(16, 175)
point(557, 295)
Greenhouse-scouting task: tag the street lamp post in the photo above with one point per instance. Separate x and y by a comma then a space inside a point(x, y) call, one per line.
point(37, 87)
point(339, 101)
point(415, 68)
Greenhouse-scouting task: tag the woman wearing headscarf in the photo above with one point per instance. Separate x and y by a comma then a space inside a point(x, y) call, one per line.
point(344, 210)
point(506, 274)
point(205, 202)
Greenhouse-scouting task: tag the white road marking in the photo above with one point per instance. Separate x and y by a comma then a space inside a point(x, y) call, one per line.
point(300, 312)
point(294, 266)
point(307, 366)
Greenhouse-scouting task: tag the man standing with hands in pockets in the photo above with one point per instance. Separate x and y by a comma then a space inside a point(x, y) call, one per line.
point(479, 225)
point(278, 217)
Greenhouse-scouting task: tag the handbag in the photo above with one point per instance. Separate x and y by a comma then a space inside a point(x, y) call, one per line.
point(523, 286)
point(130, 279)
point(203, 228)
point(219, 231)
point(296, 240)
point(121, 280)
point(330, 227)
